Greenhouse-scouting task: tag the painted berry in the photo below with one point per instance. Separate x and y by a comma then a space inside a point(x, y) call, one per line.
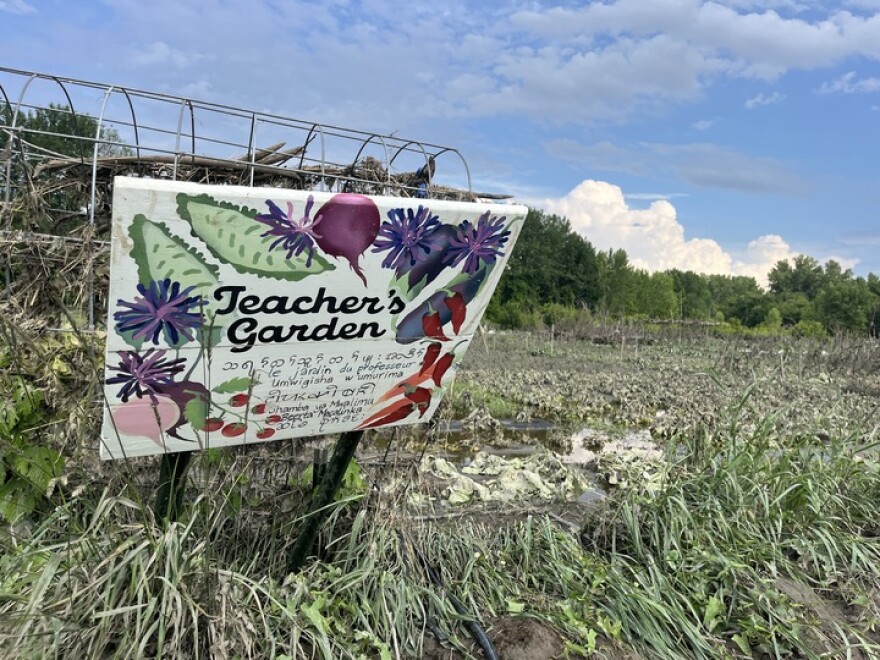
point(213, 424)
point(239, 400)
point(273, 419)
point(265, 433)
point(234, 430)
point(259, 409)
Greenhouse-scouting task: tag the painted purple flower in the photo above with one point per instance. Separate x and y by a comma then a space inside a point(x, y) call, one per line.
point(478, 243)
point(295, 236)
point(162, 306)
point(406, 237)
point(146, 373)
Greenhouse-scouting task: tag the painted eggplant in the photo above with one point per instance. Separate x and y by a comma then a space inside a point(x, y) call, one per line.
point(436, 260)
point(420, 322)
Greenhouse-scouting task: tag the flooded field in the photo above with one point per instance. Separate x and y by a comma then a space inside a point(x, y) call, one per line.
point(528, 419)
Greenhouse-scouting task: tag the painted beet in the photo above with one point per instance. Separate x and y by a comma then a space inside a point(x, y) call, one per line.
point(346, 226)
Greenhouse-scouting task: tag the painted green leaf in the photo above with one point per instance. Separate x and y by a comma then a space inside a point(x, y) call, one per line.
point(242, 384)
point(233, 236)
point(160, 255)
point(196, 411)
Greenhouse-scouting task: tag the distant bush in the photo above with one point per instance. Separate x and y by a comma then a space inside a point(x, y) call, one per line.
point(514, 316)
point(808, 329)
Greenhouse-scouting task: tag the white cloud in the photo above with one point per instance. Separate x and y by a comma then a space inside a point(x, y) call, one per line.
point(394, 62)
point(761, 255)
point(764, 99)
point(701, 163)
point(16, 7)
point(653, 196)
point(654, 239)
point(850, 83)
point(159, 53)
point(789, 5)
point(703, 124)
point(755, 40)
point(866, 5)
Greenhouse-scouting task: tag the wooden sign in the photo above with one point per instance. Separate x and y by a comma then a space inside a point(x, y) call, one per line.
point(242, 315)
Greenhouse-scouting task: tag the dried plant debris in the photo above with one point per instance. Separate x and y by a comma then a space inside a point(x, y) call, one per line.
point(493, 478)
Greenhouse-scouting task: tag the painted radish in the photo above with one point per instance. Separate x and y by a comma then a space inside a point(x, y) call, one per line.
point(150, 417)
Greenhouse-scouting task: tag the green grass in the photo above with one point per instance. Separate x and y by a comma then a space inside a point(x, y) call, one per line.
point(762, 540)
point(465, 395)
point(704, 568)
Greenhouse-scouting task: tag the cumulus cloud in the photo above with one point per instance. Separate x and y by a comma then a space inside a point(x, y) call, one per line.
point(850, 83)
point(761, 255)
point(764, 99)
point(653, 237)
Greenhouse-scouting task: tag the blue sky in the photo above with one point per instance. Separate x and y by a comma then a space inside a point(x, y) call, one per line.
point(713, 136)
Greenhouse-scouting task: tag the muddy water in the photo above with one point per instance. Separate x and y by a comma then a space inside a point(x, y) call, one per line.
point(510, 461)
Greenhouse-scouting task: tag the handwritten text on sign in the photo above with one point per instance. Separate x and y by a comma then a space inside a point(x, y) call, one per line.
point(243, 315)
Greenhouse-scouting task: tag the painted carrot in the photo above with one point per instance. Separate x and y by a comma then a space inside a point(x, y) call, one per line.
point(457, 306)
point(413, 381)
point(392, 414)
point(430, 356)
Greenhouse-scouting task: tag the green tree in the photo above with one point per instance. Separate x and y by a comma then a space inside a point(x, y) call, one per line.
point(773, 320)
point(803, 276)
point(617, 283)
point(739, 298)
point(46, 134)
point(551, 264)
point(845, 305)
point(793, 307)
point(694, 294)
point(655, 295)
point(56, 131)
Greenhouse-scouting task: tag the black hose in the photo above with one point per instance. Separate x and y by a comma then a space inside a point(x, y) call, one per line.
point(472, 624)
point(430, 623)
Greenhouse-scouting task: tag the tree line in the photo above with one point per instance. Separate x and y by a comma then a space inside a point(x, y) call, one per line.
point(554, 271)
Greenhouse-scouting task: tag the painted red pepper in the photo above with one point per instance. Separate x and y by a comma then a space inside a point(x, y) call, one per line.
point(399, 411)
point(442, 366)
point(421, 396)
point(433, 327)
point(430, 356)
point(458, 307)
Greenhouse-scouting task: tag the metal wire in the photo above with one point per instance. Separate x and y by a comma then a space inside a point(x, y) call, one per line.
point(142, 138)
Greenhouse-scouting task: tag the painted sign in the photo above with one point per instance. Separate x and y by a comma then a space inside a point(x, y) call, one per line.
point(241, 315)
